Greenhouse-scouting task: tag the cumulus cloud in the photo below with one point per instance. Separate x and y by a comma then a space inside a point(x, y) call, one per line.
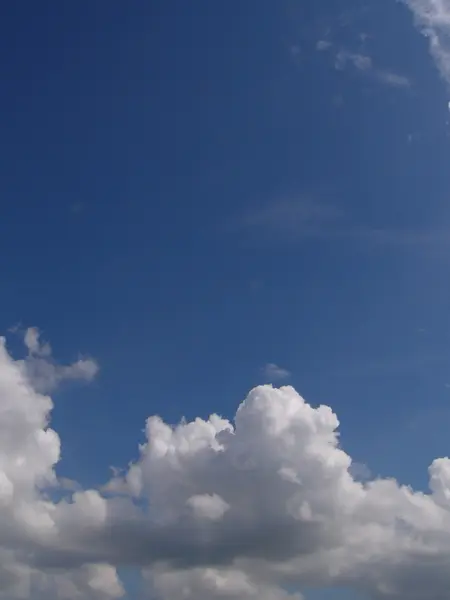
point(262, 506)
point(295, 516)
point(433, 19)
point(44, 373)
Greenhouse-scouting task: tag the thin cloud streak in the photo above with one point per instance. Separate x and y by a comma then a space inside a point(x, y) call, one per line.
point(393, 79)
point(295, 221)
point(290, 218)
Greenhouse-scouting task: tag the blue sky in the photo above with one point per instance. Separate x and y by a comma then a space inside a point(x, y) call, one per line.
point(200, 197)
point(161, 167)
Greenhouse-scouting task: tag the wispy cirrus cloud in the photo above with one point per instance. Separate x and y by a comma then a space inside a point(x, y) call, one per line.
point(392, 79)
point(301, 219)
point(272, 372)
point(290, 219)
point(363, 63)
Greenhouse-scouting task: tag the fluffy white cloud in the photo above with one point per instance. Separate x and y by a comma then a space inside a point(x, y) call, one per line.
point(253, 508)
point(433, 18)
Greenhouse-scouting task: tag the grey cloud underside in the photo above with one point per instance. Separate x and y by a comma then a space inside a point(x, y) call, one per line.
point(186, 543)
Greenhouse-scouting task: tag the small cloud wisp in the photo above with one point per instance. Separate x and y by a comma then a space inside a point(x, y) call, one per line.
point(44, 373)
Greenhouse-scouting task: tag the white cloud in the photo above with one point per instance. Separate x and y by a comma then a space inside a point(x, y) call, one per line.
point(213, 509)
point(274, 373)
point(296, 514)
point(433, 19)
point(44, 373)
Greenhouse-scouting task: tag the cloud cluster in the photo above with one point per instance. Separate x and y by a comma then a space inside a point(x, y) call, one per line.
point(253, 508)
point(433, 18)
